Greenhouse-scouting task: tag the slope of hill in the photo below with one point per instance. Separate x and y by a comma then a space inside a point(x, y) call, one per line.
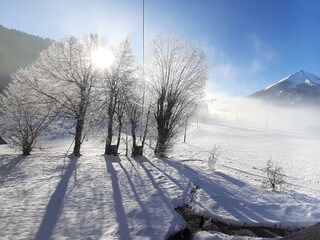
point(299, 88)
point(17, 49)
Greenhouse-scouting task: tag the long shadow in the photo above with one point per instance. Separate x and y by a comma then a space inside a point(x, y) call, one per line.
point(231, 179)
point(10, 166)
point(223, 197)
point(155, 184)
point(145, 211)
point(185, 190)
point(162, 195)
point(131, 161)
point(175, 181)
point(55, 204)
point(117, 197)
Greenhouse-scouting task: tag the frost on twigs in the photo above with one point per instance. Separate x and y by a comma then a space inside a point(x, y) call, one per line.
point(275, 176)
point(213, 158)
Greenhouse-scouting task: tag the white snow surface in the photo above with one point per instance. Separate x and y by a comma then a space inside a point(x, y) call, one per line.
point(301, 77)
point(49, 195)
point(201, 235)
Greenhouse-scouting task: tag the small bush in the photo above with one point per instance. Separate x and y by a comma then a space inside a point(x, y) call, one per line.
point(275, 175)
point(213, 158)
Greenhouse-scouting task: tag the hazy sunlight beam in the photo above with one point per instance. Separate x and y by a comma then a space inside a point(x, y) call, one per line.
point(102, 57)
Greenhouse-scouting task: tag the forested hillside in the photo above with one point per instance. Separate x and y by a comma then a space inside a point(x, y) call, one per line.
point(17, 49)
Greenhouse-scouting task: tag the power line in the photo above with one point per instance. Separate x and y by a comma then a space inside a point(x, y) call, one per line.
point(143, 34)
point(143, 79)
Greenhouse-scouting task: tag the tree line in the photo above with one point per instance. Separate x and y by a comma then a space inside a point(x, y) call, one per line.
point(65, 83)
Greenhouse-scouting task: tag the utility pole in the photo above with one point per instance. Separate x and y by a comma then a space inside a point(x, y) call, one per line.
point(267, 123)
point(143, 79)
point(197, 119)
point(185, 130)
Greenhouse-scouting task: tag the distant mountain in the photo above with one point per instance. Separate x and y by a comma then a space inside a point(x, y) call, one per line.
point(298, 88)
point(17, 49)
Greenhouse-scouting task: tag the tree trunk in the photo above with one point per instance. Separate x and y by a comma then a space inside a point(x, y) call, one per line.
point(26, 149)
point(108, 147)
point(109, 136)
point(162, 137)
point(161, 145)
point(133, 134)
point(145, 131)
point(164, 122)
point(80, 125)
point(78, 137)
point(162, 116)
point(127, 147)
point(136, 150)
point(119, 134)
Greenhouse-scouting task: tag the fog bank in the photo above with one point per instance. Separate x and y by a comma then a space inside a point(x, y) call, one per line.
point(257, 114)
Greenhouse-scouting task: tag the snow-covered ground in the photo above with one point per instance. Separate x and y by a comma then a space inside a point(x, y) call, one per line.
point(201, 235)
point(235, 192)
point(49, 194)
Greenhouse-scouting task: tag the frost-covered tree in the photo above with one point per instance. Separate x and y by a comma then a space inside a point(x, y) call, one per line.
point(117, 80)
point(65, 74)
point(120, 113)
point(26, 114)
point(138, 116)
point(177, 72)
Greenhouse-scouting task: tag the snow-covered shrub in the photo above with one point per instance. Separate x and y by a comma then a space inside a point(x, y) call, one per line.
point(275, 175)
point(213, 158)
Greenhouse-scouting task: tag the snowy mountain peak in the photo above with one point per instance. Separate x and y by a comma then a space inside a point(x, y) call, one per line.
point(295, 79)
point(299, 87)
point(303, 77)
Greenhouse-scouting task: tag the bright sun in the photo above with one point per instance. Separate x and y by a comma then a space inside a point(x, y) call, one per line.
point(102, 57)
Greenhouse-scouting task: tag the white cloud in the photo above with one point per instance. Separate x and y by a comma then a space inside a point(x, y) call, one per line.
point(264, 54)
point(256, 66)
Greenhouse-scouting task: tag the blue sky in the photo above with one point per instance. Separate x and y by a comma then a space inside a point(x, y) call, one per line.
point(249, 43)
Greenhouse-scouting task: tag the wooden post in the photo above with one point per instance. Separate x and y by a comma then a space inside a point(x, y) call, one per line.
point(185, 129)
point(267, 123)
point(197, 119)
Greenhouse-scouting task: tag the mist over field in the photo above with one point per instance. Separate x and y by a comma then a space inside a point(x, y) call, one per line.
point(258, 114)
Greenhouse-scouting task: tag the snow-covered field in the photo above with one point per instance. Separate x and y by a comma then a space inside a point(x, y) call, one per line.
point(49, 195)
point(235, 192)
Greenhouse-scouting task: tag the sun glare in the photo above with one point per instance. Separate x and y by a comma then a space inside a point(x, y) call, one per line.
point(102, 57)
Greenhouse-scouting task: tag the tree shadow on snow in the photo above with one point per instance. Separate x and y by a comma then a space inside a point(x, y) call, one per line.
point(225, 198)
point(177, 181)
point(55, 205)
point(145, 212)
point(231, 179)
point(143, 161)
point(144, 189)
point(10, 166)
point(164, 172)
point(118, 201)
